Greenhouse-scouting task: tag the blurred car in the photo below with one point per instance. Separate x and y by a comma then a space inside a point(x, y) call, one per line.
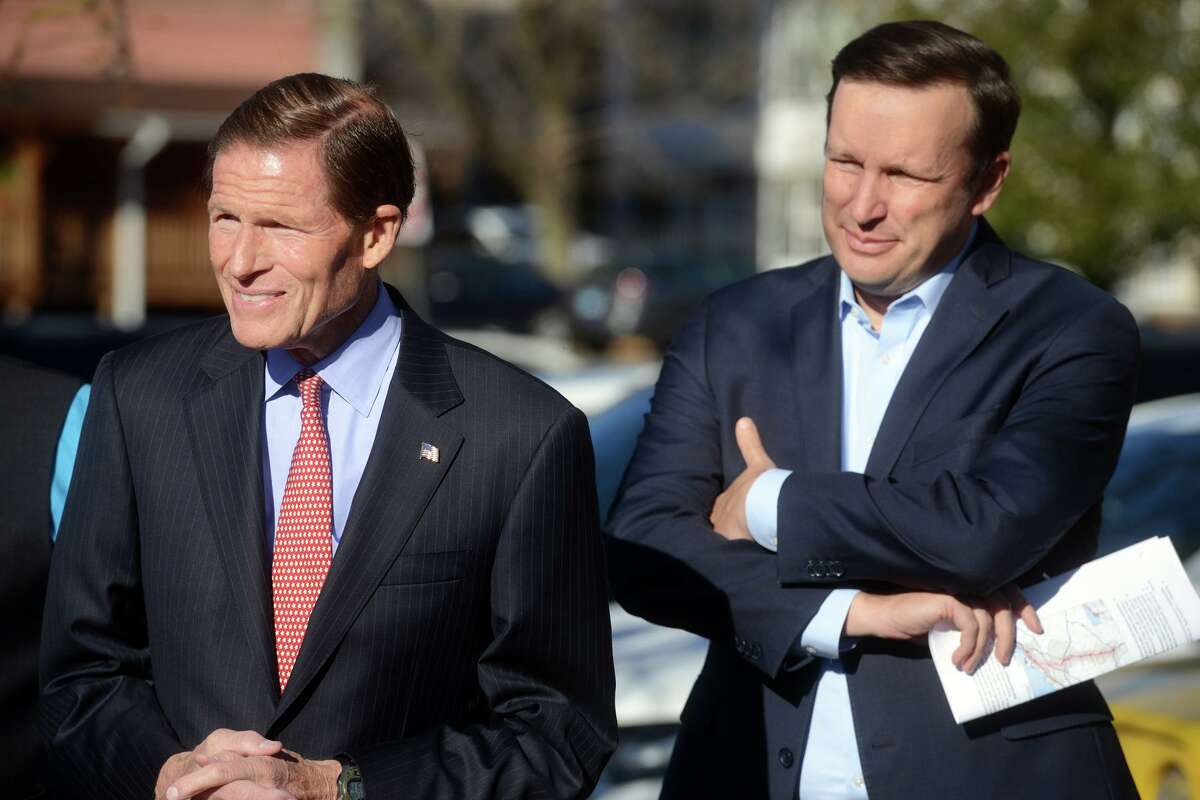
point(470, 289)
point(1156, 704)
point(655, 666)
point(649, 298)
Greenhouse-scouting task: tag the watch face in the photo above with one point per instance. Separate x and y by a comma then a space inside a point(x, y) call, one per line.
point(350, 783)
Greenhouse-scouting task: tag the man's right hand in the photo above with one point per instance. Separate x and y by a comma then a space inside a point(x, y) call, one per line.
point(220, 741)
point(911, 615)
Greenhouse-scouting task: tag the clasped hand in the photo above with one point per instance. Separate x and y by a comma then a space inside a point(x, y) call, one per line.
point(242, 765)
point(904, 615)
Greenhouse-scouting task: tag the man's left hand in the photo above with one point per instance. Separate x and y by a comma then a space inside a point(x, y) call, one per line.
point(728, 516)
point(287, 776)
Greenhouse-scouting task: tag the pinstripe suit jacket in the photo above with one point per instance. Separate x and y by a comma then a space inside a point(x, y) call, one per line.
point(460, 646)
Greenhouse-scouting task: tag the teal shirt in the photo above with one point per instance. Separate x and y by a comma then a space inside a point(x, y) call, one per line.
point(64, 458)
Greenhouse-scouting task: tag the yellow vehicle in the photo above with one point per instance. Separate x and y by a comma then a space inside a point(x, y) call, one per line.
point(1156, 711)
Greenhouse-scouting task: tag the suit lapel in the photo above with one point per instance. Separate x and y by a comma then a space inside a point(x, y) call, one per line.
point(817, 371)
point(396, 486)
point(224, 424)
point(965, 316)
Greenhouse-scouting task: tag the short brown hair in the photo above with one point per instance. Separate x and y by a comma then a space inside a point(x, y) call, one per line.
point(921, 53)
point(363, 148)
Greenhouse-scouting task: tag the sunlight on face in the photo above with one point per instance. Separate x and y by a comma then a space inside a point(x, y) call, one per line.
point(288, 265)
point(896, 207)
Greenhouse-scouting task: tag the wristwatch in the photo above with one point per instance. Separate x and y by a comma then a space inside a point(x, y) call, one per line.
point(350, 786)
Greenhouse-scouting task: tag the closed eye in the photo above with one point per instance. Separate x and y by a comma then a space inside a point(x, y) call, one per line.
point(907, 178)
point(845, 163)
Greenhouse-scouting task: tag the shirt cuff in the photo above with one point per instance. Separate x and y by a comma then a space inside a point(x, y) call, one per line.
point(823, 636)
point(762, 507)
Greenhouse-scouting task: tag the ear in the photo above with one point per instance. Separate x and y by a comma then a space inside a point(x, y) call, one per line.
point(990, 183)
point(379, 235)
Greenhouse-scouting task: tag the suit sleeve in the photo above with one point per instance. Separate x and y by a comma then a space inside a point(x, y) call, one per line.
point(108, 737)
point(548, 672)
point(976, 529)
point(666, 563)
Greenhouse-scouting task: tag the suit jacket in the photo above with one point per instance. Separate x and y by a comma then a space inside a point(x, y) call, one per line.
point(460, 646)
point(988, 468)
point(33, 406)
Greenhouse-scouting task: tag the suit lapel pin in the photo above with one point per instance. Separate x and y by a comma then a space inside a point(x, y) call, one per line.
point(429, 452)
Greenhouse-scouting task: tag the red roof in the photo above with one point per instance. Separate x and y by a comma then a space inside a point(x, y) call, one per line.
point(172, 42)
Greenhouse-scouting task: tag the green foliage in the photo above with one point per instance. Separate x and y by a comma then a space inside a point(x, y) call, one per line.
point(1107, 155)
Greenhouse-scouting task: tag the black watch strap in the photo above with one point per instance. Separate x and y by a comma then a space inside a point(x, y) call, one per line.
point(350, 786)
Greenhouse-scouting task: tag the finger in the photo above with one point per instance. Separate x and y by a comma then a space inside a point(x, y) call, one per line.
point(248, 790)
point(964, 620)
point(755, 455)
point(218, 758)
point(247, 743)
point(983, 637)
point(1005, 624)
point(1024, 609)
point(214, 776)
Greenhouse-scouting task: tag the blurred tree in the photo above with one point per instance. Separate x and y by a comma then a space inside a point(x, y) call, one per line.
point(513, 73)
point(533, 82)
point(1107, 153)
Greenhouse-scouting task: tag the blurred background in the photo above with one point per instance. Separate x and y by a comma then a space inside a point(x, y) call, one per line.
point(589, 170)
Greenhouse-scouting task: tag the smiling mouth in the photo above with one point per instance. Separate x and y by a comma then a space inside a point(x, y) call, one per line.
point(257, 298)
point(868, 246)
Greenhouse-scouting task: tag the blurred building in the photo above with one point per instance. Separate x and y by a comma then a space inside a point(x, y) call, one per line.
point(105, 110)
point(800, 42)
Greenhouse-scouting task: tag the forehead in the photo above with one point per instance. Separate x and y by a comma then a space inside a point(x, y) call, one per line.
point(286, 173)
point(877, 120)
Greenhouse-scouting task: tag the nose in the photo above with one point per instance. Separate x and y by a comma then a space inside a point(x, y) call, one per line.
point(243, 258)
point(868, 205)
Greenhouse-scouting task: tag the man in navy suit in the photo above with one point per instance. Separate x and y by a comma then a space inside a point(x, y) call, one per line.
point(941, 415)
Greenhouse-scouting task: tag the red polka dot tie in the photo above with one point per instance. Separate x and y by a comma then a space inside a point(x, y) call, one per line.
point(303, 531)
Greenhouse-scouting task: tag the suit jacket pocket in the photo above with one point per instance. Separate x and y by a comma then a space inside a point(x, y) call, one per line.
point(411, 568)
point(1058, 722)
point(963, 431)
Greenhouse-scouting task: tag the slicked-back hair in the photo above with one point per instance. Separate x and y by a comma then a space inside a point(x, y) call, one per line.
point(363, 149)
point(922, 53)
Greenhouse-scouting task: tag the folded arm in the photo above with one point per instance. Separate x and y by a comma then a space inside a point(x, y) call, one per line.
point(666, 562)
point(972, 531)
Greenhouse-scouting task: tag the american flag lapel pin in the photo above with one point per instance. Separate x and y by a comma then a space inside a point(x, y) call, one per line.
point(429, 452)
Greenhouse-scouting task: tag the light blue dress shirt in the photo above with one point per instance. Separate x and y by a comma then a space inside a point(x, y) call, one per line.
point(356, 377)
point(64, 456)
point(872, 363)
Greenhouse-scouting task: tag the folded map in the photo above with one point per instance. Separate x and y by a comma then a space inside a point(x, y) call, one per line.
point(1117, 610)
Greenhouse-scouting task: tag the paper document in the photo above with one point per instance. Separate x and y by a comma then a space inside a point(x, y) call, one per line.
point(1116, 610)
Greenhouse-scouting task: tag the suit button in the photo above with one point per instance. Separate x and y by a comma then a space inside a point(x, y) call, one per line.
point(786, 758)
point(755, 652)
point(836, 569)
point(811, 566)
point(821, 569)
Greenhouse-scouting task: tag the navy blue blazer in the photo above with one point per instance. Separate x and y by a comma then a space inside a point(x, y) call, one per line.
point(988, 469)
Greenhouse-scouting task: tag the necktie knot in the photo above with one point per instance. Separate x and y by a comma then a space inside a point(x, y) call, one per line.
point(309, 384)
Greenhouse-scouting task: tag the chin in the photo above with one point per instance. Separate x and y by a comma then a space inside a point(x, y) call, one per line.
point(255, 336)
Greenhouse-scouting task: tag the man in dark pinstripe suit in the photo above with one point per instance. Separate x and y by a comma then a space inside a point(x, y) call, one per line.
point(457, 643)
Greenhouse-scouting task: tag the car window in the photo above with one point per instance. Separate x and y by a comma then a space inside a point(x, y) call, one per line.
point(1153, 492)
